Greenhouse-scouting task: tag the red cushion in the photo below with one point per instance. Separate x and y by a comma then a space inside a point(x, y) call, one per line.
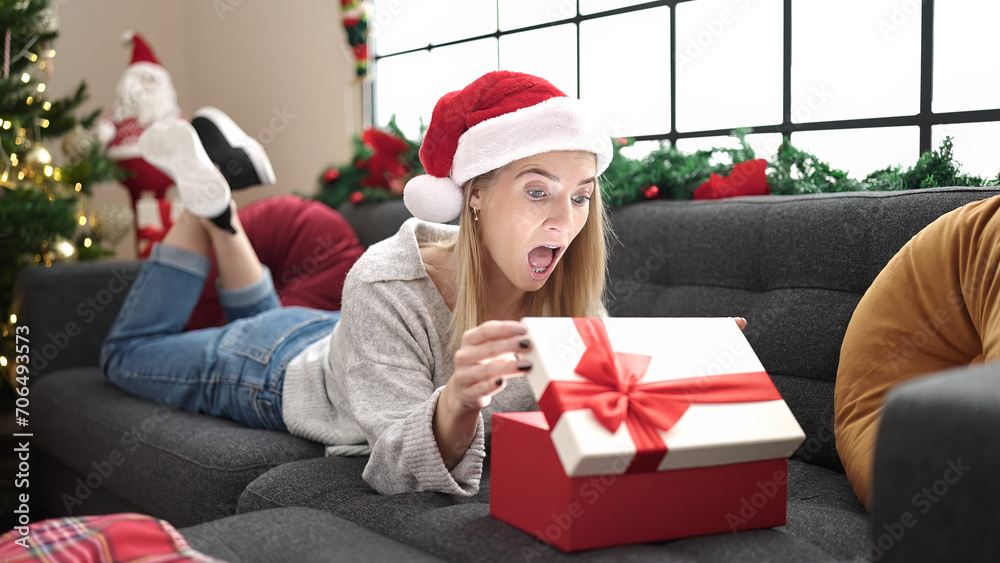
point(308, 246)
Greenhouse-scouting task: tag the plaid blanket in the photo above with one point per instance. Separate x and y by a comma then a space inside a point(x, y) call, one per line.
point(117, 538)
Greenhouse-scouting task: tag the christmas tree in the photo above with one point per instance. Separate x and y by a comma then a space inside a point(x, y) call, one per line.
point(40, 200)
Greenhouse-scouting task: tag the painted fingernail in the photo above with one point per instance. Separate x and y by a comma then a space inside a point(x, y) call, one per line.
point(499, 382)
point(519, 329)
point(524, 365)
point(524, 343)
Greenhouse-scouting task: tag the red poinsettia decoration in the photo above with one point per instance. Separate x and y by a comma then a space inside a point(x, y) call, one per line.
point(747, 178)
point(385, 164)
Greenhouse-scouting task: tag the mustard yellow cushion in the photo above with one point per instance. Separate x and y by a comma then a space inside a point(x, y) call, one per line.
point(933, 307)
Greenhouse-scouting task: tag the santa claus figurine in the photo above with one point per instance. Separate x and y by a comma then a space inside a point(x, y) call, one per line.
point(145, 96)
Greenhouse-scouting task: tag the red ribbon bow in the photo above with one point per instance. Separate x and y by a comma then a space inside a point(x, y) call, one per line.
point(615, 394)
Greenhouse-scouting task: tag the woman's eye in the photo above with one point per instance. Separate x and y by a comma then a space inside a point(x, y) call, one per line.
point(536, 194)
point(581, 199)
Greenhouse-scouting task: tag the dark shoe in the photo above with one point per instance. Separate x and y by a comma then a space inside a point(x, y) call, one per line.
point(173, 146)
point(241, 159)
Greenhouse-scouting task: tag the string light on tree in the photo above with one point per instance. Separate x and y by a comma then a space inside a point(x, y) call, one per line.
point(40, 198)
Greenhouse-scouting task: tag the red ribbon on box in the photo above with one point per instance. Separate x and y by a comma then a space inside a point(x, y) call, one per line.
point(614, 393)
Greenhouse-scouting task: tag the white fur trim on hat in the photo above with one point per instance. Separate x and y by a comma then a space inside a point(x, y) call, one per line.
point(433, 199)
point(557, 124)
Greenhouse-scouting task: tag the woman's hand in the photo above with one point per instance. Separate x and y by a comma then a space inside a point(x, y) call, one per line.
point(486, 357)
point(741, 322)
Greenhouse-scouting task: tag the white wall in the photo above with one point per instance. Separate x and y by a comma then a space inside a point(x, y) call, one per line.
point(280, 69)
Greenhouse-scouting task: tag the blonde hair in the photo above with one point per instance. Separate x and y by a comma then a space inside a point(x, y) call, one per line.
point(574, 289)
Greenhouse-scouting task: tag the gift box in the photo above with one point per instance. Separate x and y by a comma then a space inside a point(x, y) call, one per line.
point(650, 429)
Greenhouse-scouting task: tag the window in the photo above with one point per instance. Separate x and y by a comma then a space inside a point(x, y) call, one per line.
point(863, 84)
point(728, 64)
point(625, 71)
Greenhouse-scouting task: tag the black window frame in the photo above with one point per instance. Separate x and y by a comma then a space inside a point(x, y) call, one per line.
point(925, 119)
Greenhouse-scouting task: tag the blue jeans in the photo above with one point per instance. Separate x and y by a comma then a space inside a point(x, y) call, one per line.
point(234, 371)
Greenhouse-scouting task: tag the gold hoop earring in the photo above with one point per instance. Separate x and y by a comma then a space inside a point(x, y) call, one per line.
point(475, 214)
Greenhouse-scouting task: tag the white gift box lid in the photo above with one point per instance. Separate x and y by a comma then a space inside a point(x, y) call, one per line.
point(679, 348)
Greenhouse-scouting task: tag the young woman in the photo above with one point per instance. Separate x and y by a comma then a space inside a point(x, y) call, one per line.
point(426, 345)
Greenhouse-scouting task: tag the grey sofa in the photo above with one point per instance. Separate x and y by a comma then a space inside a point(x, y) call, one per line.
point(794, 266)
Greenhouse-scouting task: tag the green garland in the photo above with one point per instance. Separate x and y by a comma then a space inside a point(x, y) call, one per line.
point(676, 175)
point(933, 169)
point(793, 171)
point(353, 181)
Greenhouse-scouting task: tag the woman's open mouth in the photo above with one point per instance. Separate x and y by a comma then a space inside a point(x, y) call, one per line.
point(542, 259)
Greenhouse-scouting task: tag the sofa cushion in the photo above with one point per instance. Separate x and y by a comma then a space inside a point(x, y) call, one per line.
point(56, 479)
point(335, 484)
point(375, 221)
point(69, 308)
point(794, 266)
point(825, 522)
point(185, 468)
point(302, 535)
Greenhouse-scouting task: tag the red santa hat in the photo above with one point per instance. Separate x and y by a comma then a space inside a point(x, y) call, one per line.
point(501, 117)
point(141, 51)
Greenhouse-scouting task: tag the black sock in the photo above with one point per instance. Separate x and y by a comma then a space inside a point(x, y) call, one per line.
point(225, 220)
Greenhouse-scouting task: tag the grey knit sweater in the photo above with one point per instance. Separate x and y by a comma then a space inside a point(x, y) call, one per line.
point(372, 387)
